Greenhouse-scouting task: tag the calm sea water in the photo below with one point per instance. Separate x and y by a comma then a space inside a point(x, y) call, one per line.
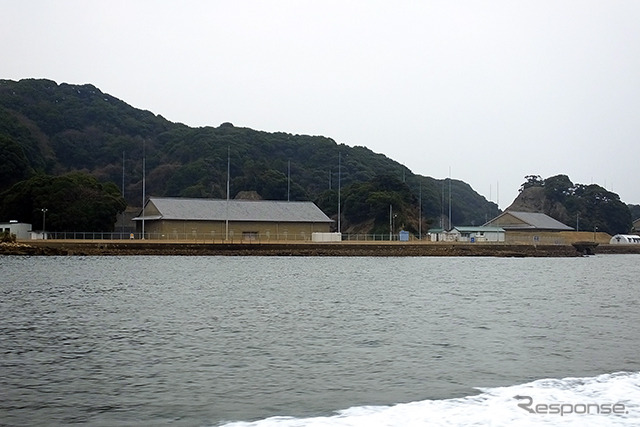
point(291, 340)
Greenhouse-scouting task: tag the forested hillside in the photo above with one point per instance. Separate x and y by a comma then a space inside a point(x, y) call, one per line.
point(52, 129)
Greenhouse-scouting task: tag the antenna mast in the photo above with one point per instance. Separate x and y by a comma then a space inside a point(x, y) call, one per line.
point(288, 180)
point(420, 215)
point(122, 231)
point(450, 198)
point(226, 222)
point(144, 183)
point(339, 185)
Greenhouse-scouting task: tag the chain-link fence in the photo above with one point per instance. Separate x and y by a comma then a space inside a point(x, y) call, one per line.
point(221, 237)
point(543, 238)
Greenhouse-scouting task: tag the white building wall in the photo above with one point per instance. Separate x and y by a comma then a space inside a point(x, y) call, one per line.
point(494, 236)
point(20, 229)
point(456, 235)
point(326, 237)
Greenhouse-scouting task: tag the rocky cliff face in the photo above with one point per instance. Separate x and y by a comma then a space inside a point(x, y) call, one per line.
point(589, 207)
point(534, 199)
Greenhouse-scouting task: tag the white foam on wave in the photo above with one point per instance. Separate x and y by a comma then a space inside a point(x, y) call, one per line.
point(583, 401)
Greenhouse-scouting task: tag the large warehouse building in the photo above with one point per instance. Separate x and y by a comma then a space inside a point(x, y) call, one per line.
point(230, 220)
point(531, 227)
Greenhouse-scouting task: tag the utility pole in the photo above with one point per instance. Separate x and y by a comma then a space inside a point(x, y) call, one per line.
point(442, 207)
point(339, 186)
point(450, 227)
point(123, 212)
point(226, 222)
point(390, 222)
point(44, 219)
point(420, 214)
point(288, 180)
point(144, 184)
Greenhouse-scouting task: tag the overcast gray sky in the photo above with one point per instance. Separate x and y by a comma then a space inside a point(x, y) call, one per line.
point(492, 90)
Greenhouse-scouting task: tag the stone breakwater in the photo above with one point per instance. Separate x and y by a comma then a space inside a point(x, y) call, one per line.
point(27, 249)
point(108, 247)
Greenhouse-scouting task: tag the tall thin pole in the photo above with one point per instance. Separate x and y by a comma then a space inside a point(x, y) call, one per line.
point(144, 184)
point(490, 200)
point(44, 222)
point(339, 185)
point(450, 198)
point(390, 222)
point(420, 214)
point(226, 225)
point(122, 233)
point(442, 206)
point(123, 174)
point(288, 180)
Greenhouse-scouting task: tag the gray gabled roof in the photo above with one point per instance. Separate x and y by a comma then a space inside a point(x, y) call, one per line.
point(175, 208)
point(532, 221)
point(484, 228)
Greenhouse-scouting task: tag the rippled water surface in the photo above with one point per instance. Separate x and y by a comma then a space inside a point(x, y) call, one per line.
point(205, 340)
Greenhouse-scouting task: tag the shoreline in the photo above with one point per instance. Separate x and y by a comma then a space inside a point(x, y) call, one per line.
point(390, 249)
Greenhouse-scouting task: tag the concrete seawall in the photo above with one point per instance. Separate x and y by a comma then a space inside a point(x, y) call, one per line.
point(123, 247)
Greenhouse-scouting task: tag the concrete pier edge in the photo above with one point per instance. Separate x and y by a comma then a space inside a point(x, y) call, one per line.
point(388, 249)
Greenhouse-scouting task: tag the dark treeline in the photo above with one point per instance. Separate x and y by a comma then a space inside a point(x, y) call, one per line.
point(585, 207)
point(50, 129)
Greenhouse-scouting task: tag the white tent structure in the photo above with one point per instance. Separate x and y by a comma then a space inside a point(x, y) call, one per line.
point(625, 239)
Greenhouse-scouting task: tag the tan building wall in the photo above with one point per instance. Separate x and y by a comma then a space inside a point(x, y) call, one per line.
point(554, 237)
point(238, 231)
point(506, 220)
point(150, 210)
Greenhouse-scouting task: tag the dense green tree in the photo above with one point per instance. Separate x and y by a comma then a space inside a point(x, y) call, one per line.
point(369, 202)
point(532, 181)
point(14, 166)
point(558, 188)
point(74, 202)
point(602, 210)
point(590, 206)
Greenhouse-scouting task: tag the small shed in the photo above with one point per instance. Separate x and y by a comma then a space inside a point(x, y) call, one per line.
point(477, 234)
point(437, 234)
point(625, 239)
point(20, 229)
